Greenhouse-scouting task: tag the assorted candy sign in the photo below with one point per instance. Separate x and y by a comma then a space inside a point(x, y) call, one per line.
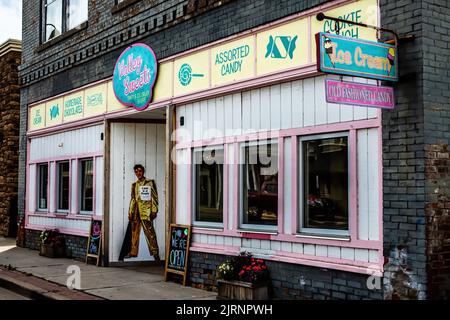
point(134, 76)
point(354, 57)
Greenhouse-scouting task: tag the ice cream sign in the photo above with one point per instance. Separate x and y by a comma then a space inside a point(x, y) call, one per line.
point(354, 57)
point(135, 75)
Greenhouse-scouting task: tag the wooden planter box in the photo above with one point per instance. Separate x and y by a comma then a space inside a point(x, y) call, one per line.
point(52, 251)
point(238, 290)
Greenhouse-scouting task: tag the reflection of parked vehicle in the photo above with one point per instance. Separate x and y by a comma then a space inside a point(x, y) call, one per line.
point(263, 205)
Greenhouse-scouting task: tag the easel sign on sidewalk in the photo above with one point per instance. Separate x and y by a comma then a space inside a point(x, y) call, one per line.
point(94, 241)
point(177, 251)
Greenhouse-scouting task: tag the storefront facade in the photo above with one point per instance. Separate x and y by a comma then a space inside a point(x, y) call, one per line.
point(242, 145)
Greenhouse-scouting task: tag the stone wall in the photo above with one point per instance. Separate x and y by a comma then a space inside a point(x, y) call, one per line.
point(9, 141)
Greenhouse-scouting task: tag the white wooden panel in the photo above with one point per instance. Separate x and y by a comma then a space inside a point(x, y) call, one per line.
point(74, 187)
point(373, 256)
point(182, 131)
point(182, 186)
point(237, 114)
point(286, 247)
point(309, 249)
point(287, 199)
point(246, 112)
point(297, 248)
point(237, 242)
point(67, 143)
point(321, 251)
point(247, 243)
point(265, 244)
point(231, 196)
point(211, 239)
point(139, 152)
point(99, 186)
point(203, 119)
point(255, 110)
point(275, 245)
point(286, 105)
point(211, 125)
point(228, 241)
point(321, 107)
point(297, 104)
point(256, 244)
point(228, 114)
point(308, 102)
point(265, 108)
point(160, 221)
point(204, 238)
point(52, 188)
point(32, 188)
point(220, 114)
point(334, 252)
point(73, 224)
point(373, 186)
point(363, 202)
point(348, 253)
point(362, 255)
point(220, 240)
point(196, 121)
point(275, 107)
point(189, 121)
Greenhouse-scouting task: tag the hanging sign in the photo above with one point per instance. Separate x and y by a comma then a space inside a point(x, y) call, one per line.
point(359, 94)
point(354, 57)
point(135, 75)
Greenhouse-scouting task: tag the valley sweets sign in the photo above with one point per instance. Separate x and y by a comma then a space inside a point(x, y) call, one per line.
point(135, 75)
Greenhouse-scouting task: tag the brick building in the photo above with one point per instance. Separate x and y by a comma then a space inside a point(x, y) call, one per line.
point(387, 179)
point(9, 135)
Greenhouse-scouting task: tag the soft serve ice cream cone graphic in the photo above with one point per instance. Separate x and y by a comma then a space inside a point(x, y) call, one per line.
point(329, 50)
point(391, 59)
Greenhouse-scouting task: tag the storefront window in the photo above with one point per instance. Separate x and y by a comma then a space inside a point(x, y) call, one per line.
point(325, 184)
point(63, 15)
point(208, 186)
point(259, 185)
point(63, 185)
point(42, 186)
point(87, 185)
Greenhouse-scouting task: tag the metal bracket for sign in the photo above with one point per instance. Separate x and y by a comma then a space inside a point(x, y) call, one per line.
point(321, 16)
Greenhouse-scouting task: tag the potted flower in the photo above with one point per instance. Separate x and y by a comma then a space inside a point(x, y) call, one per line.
point(52, 244)
point(243, 278)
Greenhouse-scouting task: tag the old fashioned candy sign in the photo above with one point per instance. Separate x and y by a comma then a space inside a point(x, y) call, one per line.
point(135, 75)
point(353, 57)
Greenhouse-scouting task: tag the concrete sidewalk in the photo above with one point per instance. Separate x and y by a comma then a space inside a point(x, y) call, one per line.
point(112, 283)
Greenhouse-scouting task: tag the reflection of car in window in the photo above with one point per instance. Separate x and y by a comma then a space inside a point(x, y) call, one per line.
point(263, 204)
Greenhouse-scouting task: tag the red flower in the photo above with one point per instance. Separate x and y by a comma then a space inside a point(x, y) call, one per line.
point(241, 273)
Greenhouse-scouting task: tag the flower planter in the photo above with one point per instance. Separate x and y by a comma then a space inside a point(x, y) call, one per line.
point(51, 251)
point(238, 290)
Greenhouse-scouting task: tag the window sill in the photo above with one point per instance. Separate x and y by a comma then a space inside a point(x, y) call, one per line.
point(61, 37)
point(265, 232)
point(120, 6)
point(323, 237)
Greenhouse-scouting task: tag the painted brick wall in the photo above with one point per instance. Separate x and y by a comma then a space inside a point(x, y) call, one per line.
point(290, 281)
point(436, 70)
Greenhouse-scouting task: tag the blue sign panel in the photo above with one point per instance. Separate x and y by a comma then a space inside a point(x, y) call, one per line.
point(354, 57)
point(135, 75)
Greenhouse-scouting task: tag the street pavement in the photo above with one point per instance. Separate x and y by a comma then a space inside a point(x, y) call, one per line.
point(10, 295)
point(112, 283)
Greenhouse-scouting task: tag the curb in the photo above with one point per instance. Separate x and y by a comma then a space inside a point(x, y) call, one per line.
point(39, 289)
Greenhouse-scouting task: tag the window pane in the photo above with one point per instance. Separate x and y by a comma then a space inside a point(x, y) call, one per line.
point(87, 185)
point(260, 185)
point(326, 183)
point(77, 13)
point(208, 186)
point(53, 24)
point(42, 186)
point(63, 186)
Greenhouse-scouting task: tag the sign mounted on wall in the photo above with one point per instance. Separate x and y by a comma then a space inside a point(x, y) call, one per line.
point(354, 57)
point(134, 76)
point(359, 94)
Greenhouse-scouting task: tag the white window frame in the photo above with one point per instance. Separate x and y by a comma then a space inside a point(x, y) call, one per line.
point(38, 186)
point(246, 226)
point(58, 189)
point(301, 200)
point(80, 186)
point(205, 224)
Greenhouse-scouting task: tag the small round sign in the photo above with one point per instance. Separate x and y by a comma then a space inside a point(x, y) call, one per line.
point(135, 75)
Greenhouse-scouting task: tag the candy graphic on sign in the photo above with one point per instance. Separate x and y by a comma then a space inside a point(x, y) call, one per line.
point(135, 75)
point(185, 74)
point(281, 46)
point(54, 112)
point(328, 45)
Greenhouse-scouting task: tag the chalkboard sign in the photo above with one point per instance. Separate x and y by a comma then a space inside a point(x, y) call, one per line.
point(177, 250)
point(94, 240)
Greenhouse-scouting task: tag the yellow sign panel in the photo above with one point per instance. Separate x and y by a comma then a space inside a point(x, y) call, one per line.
point(191, 73)
point(164, 88)
point(36, 117)
point(112, 103)
point(95, 101)
point(233, 61)
point(282, 48)
point(73, 107)
point(54, 112)
point(364, 11)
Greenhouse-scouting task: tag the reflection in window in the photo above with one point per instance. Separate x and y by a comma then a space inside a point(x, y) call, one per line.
point(63, 185)
point(53, 13)
point(87, 185)
point(63, 15)
point(77, 13)
point(208, 185)
point(42, 186)
point(260, 184)
point(325, 170)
